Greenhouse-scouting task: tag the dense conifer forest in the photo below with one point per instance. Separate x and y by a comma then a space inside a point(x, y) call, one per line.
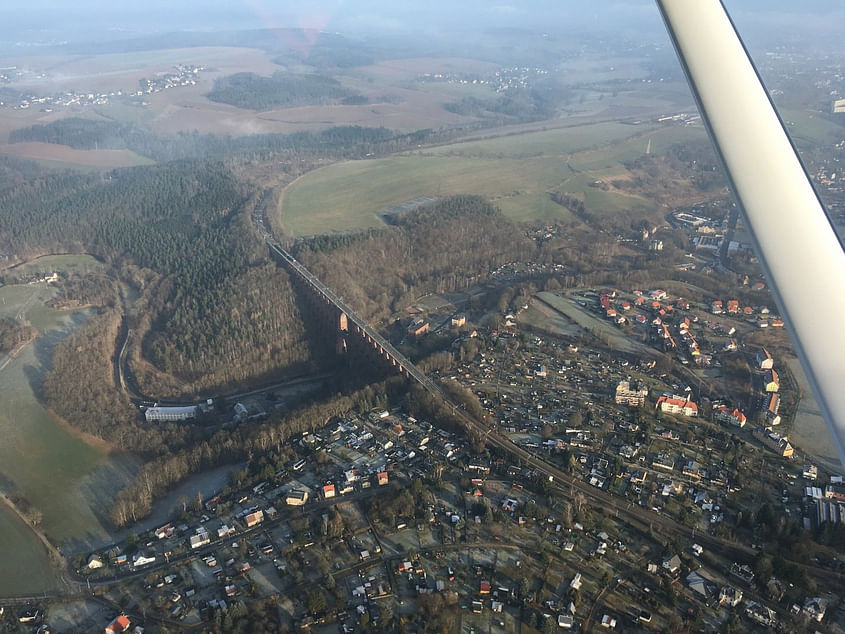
point(280, 90)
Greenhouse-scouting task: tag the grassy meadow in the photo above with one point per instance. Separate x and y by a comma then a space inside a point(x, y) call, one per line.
point(516, 172)
point(26, 566)
point(67, 478)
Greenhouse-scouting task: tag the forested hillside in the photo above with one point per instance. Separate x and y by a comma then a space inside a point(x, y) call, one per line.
point(220, 313)
point(439, 248)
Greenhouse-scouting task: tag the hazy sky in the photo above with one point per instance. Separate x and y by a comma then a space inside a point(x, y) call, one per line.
point(96, 20)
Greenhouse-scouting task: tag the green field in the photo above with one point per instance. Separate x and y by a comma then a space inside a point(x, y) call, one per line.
point(26, 568)
point(75, 263)
point(67, 479)
point(556, 141)
point(811, 128)
point(515, 172)
point(348, 196)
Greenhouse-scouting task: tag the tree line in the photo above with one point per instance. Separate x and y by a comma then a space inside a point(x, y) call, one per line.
point(13, 333)
point(333, 143)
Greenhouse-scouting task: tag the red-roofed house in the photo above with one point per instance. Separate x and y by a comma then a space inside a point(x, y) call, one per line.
point(254, 519)
point(120, 624)
point(773, 405)
point(724, 414)
point(677, 405)
point(382, 478)
point(329, 491)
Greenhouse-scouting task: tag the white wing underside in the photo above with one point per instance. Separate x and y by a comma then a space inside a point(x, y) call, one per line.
point(796, 243)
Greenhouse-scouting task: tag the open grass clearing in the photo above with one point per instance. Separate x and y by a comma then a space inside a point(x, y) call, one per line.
point(69, 263)
point(515, 172)
point(661, 138)
point(26, 567)
point(349, 196)
point(69, 480)
point(54, 155)
point(554, 142)
point(811, 128)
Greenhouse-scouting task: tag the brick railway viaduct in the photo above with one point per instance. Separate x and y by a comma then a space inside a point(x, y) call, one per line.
point(350, 327)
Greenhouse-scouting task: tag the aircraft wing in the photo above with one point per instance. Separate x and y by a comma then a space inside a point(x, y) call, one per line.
point(798, 248)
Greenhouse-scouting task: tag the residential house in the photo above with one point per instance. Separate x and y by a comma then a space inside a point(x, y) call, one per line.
point(663, 461)
point(608, 621)
point(771, 381)
point(120, 624)
point(701, 588)
point(815, 608)
point(730, 596)
point(742, 572)
point(724, 414)
point(835, 492)
point(634, 396)
point(761, 614)
point(565, 621)
point(692, 470)
point(200, 539)
point(418, 327)
point(95, 562)
point(296, 497)
point(672, 565)
point(773, 405)
point(677, 405)
point(254, 518)
point(764, 359)
point(780, 445)
point(140, 559)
